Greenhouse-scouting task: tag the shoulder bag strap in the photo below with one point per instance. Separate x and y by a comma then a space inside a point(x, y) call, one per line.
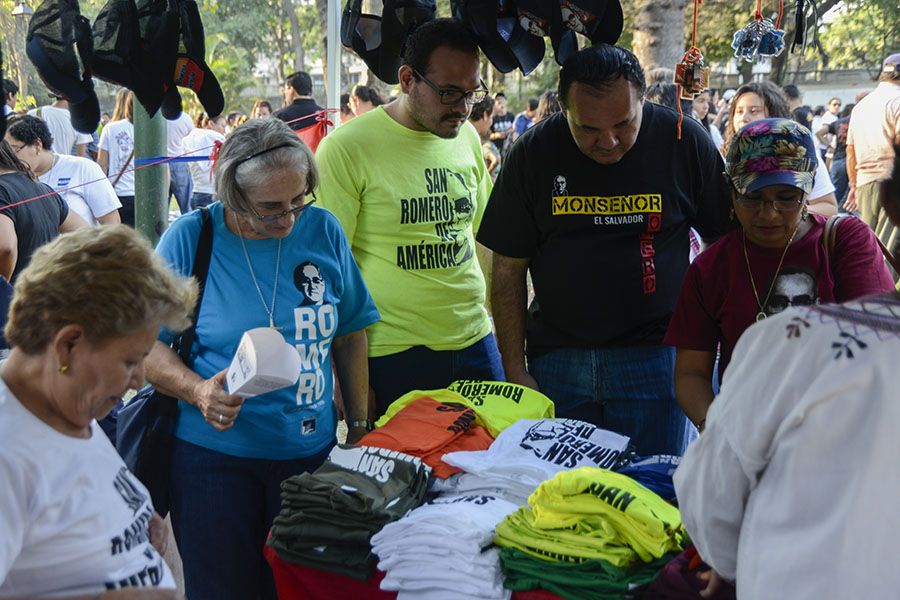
point(182, 344)
point(829, 237)
point(125, 168)
point(890, 258)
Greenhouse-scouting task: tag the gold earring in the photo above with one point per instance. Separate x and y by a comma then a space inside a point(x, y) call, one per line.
point(63, 369)
point(804, 212)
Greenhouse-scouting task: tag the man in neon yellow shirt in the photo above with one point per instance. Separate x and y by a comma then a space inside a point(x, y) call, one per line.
point(409, 186)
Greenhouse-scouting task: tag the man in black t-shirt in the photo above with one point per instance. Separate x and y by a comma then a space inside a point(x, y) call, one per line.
point(298, 101)
point(597, 202)
point(502, 125)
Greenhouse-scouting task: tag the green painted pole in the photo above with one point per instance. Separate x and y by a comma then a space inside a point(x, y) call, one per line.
point(151, 184)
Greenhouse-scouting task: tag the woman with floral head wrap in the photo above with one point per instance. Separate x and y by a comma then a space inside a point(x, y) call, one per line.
point(774, 258)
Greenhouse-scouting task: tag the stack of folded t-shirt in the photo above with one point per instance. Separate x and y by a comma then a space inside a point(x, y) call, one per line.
point(440, 550)
point(532, 451)
point(591, 514)
point(429, 429)
point(327, 517)
point(497, 404)
point(592, 579)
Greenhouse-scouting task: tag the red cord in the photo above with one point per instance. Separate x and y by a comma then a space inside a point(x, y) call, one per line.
point(759, 14)
point(780, 13)
point(694, 38)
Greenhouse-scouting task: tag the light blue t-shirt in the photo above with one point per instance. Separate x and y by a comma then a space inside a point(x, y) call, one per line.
point(321, 295)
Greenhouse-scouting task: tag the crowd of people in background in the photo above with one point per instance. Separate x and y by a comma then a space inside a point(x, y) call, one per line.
point(375, 311)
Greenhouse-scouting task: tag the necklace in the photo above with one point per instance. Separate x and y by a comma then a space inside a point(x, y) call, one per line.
point(761, 314)
point(271, 312)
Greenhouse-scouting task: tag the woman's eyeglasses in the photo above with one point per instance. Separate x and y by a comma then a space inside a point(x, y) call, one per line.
point(755, 204)
point(272, 218)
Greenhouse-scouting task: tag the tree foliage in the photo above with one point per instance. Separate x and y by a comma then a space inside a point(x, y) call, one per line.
point(863, 34)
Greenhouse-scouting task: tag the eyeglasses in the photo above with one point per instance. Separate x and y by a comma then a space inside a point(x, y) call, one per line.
point(755, 204)
point(17, 150)
point(451, 97)
point(272, 218)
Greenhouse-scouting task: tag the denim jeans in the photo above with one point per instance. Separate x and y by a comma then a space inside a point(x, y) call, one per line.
point(181, 185)
point(126, 212)
point(222, 508)
point(201, 199)
point(421, 368)
point(841, 183)
point(627, 390)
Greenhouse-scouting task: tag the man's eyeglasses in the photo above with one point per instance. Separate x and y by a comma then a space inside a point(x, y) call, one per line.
point(17, 149)
point(755, 204)
point(451, 97)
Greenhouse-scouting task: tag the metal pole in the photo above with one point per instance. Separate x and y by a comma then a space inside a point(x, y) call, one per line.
point(151, 184)
point(333, 91)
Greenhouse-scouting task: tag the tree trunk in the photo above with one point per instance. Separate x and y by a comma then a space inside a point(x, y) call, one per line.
point(745, 69)
point(659, 33)
point(296, 37)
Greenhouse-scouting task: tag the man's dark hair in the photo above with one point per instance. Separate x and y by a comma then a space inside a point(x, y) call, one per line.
point(532, 104)
point(845, 112)
point(9, 87)
point(598, 67)
point(499, 95)
point(791, 91)
point(486, 106)
point(438, 33)
point(28, 129)
point(819, 110)
point(301, 82)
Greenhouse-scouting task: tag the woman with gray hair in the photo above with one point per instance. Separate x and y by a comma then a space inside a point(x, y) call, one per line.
point(231, 453)
point(75, 523)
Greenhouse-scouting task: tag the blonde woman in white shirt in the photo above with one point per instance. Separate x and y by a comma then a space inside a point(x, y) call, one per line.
point(75, 522)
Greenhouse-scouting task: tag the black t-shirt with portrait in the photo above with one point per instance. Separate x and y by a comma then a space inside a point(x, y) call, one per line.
point(36, 222)
point(608, 244)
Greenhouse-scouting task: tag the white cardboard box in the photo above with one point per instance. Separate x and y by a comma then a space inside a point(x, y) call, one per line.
point(263, 363)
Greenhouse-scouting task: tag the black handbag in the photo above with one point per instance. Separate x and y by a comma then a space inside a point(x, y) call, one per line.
point(146, 425)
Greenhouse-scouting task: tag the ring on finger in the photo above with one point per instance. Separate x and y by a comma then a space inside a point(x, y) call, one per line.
point(220, 418)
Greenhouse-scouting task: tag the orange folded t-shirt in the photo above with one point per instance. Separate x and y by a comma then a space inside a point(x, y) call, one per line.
point(426, 428)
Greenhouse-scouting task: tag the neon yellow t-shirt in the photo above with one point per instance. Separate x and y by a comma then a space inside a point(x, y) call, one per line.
point(409, 203)
point(649, 524)
point(497, 404)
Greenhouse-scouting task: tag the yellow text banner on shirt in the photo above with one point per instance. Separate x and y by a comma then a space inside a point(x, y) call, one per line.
point(607, 205)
